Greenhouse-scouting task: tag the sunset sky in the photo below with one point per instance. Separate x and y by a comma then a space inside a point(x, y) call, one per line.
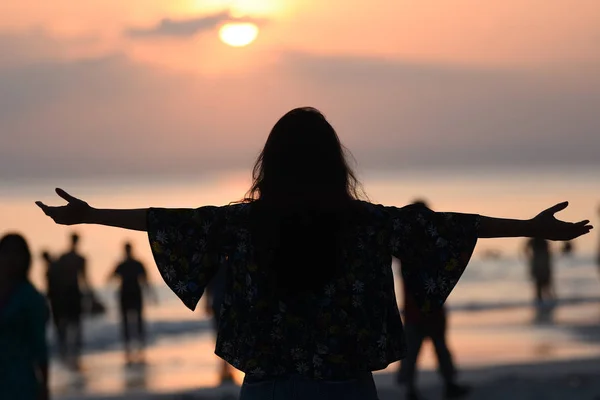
point(108, 87)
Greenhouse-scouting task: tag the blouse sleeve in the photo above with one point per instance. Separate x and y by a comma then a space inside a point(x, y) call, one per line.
point(434, 249)
point(186, 245)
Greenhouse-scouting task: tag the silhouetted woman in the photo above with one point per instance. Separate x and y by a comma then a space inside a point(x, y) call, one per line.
point(310, 308)
point(23, 317)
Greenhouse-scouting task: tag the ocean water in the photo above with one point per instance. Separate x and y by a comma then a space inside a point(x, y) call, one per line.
point(175, 333)
point(492, 322)
point(517, 193)
point(485, 286)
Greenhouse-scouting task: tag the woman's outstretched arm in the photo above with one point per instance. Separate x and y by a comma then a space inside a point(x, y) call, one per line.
point(79, 212)
point(544, 225)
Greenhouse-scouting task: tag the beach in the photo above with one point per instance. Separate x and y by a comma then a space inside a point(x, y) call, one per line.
point(573, 379)
point(503, 354)
point(501, 348)
point(501, 343)
point(484, 108)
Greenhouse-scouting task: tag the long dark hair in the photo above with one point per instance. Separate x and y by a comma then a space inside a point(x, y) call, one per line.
point(303, 190)
point(24, 256)
point(303, 158)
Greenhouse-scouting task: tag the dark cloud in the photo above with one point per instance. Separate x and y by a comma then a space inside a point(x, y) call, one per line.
point(396, 114)
point(187, 27)
point(110, 116)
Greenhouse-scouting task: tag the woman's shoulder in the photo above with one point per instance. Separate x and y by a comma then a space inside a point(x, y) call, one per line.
point(32, 291)
point(240, 210)
point(390, 211)
point(31, 295)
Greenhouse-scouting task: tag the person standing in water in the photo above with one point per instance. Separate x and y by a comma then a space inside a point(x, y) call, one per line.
point(133, 281)
point(215, 295)
point(567, 249)
point(309, 309)
point(540, 267)
point(598, 255)
point(23, 317)
point(418, 327)
point(70, 267)
point(53, 292)
point(50, 272)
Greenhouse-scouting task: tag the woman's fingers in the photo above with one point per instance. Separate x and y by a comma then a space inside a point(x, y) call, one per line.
point(556, 208)
point(44, 207)
point(65, 195)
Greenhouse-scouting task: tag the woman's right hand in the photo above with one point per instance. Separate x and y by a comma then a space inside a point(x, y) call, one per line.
point(549, 227)
point(75, 212)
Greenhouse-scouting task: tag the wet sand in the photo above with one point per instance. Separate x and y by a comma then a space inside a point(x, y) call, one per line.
point(556, 380)
point(499, 352)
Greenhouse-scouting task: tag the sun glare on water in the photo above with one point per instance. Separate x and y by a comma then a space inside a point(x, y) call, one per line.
point(238, 34)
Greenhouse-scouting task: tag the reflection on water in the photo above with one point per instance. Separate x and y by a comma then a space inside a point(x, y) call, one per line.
point(70, 380)
point(80, 382)
point(136, 376)
point(544, 313)
point(543, 349)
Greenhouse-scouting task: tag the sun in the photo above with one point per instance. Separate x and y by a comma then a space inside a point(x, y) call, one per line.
point(238, 34)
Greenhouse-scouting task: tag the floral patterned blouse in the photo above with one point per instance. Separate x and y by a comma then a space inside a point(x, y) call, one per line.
point(355, 324)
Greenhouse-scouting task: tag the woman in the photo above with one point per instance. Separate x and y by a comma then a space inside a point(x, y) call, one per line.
point(23, 317)
point(310, 308)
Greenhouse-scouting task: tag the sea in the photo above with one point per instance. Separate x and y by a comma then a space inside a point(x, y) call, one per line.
point(181, 342)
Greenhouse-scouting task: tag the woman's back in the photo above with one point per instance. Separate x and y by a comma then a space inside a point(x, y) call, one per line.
point(333, 324)
point(22, 340)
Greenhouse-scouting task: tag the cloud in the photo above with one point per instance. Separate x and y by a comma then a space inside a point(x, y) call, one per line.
point(112, 116)
point(397, 114)
point(187, 27)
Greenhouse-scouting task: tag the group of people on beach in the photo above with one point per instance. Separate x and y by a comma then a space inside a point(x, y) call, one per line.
point(71, 298)
point(308, 309)
point(67, 288)
point(25, 313)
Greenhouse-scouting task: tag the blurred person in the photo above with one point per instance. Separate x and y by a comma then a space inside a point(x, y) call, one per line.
point(567, 249)
point(538, 252)
point(418, 327)
point(215, 295)
point(53, 285)
point(133, 282)
point(50, 273)
point(309, 309)
point(598, 255)
point(70, 290)
point(23, 317)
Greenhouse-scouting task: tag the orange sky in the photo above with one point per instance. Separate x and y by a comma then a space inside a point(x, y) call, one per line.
point(516, 32)
point(404, 81)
